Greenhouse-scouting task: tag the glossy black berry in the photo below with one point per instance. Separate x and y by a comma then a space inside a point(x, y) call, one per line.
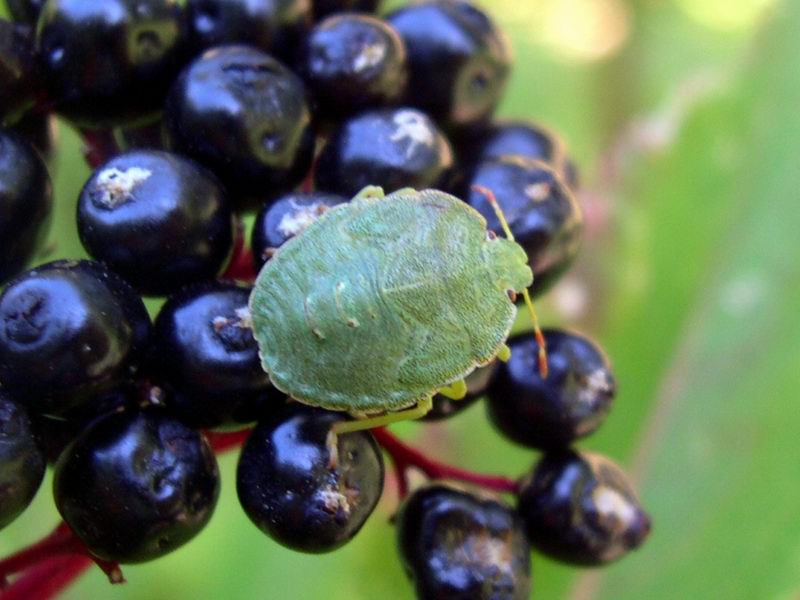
point(323, 8)
point(68, 330)
point(25, 203)
point(286, 217)
point(571, 403)
point(296, 491)
point(19, 75)
point(21, 462)
point(109, 63)
point(391, 148)
point(204, 348)
point(136, 485)
point(477, 383)
point(459, 60)
point(544, 216)
point(244, 115)
point(274, 26)
point(55, 434)
point(352, 62)
point(581, 508)
point(459, 545)
point(518, 138)
point(25, 11)
point(159, 220)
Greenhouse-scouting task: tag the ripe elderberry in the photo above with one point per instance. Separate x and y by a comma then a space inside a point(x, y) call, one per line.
point(159, 220)
point(301, 490)
point(569, 404)
point(352, 62)
point(286, 217)
point(456, 544)
point(68, 330)
point(459, 60)
point(581, 508)
point(542, 212)
point(392, 148)
point(136, 486)
point(204, 350)
point(109, 63)
point(25, 203)
point(244, 115)
point(21, 462)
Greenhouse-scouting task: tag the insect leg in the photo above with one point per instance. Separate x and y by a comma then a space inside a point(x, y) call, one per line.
point(505, 353)
point(455, 391)
point(422, 408)
point(543, 367)
point(371, 191)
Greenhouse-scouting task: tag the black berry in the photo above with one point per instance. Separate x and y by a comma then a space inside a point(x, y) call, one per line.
point(68, 330)
point(456, 544)
point(299, 492)
point(204, 349)
point(517, 138)
point(352, 62)
point(542, 212)
point(459, 59)
point(391, 148)
point(159, 220)
point(571, 403)
point(136, 486)
point(25, 203)
point(274, 26)
point(19, 75)
point(286, 217)
point(109, 63)
point(21, 462)
point(581, 508)
point(244, 115)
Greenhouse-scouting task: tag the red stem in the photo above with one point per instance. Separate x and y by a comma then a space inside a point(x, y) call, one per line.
point(404, 456)
point(61, 543)
point(241, 265)
point(47, 579)
point(99, 146)
point(221, 441)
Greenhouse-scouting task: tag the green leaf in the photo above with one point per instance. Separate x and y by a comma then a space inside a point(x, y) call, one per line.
point(707, 343)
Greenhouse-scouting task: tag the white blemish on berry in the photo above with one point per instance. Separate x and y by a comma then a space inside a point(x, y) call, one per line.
point(370, 55)
point(538, 192)
point(300, 217)
point(614, 506)
point(596, 383)
point(114, 187)
point(413, 126)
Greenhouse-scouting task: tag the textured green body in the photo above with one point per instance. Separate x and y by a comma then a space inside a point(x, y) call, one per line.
point(382, 301)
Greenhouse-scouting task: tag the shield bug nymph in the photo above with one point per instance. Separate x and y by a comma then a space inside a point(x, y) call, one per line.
point(384, 301)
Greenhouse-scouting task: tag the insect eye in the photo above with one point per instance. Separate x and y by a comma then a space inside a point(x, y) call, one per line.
point(491, 235)
point(512, 295)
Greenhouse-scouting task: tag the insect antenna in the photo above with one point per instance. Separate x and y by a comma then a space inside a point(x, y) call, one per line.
point(543, 366)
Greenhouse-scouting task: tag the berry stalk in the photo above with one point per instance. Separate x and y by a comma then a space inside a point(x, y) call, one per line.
point(47, 579)
point(61, 543)
point(405, 457)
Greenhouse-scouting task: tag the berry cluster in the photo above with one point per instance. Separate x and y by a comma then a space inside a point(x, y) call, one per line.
point(201, 119)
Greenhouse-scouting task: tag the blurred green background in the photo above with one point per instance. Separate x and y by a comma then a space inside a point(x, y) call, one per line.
point(684, 116)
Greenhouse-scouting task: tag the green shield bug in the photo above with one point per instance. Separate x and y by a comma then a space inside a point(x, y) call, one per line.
point(384, 301)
